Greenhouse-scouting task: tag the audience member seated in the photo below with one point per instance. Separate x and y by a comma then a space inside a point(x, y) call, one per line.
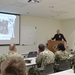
point(61, 54)
point(61, 58)
point(45, 56)
point(12, 51)
point(13, 66)
point(73, 58)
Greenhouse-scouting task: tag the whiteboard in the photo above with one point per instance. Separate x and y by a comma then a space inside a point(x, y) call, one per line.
point(28, 35)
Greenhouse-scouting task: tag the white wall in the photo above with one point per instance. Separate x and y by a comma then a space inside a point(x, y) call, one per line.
point(46, 28)
point(68, 28)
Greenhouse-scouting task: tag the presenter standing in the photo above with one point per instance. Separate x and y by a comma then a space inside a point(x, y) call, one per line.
point(59, 36)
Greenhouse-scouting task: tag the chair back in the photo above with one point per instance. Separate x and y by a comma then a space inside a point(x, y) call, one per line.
point(48, 69)
point(32, 54)
point(24, 55)
point(64, 65)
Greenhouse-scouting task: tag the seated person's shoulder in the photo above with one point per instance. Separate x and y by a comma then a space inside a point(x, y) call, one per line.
point(66, 52)
point(57, 52)
point(14, 54)
point(50, 52)
point(2, 58)
point(40, 55)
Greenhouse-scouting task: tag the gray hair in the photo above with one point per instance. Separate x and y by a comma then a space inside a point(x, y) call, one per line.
point(13, 66)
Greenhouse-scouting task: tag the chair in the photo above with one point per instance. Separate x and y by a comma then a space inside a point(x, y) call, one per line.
point(32, 54)
point(64, 65)
point(48, 69)
point(24, 55)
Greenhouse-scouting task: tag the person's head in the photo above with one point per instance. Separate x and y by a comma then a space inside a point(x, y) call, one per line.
point(61, 47)
point(13, 66)
point(12, 47)
point(58, 31)
point(41, 47)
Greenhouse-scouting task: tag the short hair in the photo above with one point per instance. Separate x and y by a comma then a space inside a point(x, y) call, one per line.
point(58, 31)
point(61, 47)
point(13, 66)
point(41, 47)
point(12, 47)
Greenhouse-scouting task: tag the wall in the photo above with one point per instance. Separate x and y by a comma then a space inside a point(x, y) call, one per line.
point(68, 28)
point(46, 28)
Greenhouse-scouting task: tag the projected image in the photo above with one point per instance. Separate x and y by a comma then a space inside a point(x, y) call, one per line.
point(7, 25)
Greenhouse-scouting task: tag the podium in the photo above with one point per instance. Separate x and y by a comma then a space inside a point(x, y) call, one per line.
point(52, 45)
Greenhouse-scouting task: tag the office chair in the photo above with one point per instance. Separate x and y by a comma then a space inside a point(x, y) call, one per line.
point(48, 69)
point(24, 55)
point(64, 65)
point(32, 54)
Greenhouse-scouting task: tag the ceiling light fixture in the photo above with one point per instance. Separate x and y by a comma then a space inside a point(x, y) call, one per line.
point(22, 3)
point(38, 1)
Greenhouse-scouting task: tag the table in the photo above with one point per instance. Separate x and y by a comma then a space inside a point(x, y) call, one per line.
point(33, 61)
point(66, 72)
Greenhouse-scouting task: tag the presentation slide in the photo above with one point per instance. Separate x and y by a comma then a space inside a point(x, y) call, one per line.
point(9, 28)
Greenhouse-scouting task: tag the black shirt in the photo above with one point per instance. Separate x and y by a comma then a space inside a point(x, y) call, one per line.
point(59, 37)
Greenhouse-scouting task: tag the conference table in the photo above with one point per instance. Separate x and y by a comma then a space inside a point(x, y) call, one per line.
point(31, 61)
point(30, 64)
point(66, 72)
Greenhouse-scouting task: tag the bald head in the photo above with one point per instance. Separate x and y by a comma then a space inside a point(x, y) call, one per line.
point(12, 47)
